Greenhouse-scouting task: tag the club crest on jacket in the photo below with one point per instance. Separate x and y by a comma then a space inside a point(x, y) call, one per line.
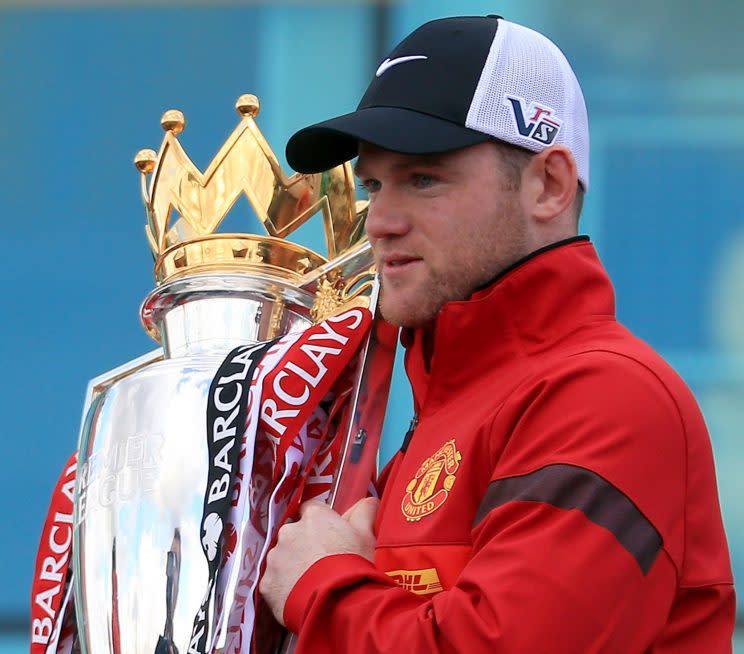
point(434, 479)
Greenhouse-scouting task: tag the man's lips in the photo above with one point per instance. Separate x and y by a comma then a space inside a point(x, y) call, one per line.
point(398, 266)
point(397, 260)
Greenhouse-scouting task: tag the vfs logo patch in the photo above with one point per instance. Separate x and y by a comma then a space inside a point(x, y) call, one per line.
point(429, 489)
point(537, 122)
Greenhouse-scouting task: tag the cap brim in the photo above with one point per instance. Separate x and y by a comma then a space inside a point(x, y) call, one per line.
point(330, 143)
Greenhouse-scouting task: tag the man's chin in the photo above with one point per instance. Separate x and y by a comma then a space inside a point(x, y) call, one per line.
point(406, 314)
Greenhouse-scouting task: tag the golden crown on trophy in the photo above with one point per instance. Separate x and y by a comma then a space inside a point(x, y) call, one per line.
point(189, 243)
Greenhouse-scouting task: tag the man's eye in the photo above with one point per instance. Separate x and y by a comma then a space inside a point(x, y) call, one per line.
point(423, 181)
point(370, 185)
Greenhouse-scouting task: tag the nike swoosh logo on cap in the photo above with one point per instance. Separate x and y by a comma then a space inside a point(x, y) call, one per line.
point(389, 63)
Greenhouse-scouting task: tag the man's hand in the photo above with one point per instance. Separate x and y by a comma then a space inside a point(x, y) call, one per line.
point(319, 532)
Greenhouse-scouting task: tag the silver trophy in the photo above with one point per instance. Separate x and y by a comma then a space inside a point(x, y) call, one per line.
point(140, 572)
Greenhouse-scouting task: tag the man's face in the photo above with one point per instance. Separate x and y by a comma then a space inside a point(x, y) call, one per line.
point(439, 225)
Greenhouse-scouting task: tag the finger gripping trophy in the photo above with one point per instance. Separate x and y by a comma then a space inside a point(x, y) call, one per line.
point(190, 456)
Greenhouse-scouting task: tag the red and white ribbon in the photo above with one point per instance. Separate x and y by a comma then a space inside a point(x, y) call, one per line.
point(51, 589)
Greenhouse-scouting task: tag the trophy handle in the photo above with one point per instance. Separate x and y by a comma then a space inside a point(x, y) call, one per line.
point(359, 454)
point(362, 435)
point(99, 384)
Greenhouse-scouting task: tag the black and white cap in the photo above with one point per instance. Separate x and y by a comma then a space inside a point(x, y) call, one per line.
point(456, 82)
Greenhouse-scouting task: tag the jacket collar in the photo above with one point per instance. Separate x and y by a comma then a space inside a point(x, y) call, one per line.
point(527, 309)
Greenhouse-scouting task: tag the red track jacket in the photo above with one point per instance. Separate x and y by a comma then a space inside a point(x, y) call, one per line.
point(558, 494)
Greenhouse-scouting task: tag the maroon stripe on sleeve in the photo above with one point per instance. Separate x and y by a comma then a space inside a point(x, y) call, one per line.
point(571, 487)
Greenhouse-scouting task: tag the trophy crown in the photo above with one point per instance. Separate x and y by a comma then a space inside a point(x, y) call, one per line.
point(248, 105)
point(174, 121)
point(186, 206)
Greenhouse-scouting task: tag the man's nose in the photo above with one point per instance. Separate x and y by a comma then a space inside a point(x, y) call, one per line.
point(386, 217)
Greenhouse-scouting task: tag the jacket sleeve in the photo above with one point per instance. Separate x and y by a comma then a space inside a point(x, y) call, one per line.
point(567, 547)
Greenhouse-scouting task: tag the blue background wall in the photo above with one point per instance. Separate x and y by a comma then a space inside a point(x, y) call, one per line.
point(83, 89)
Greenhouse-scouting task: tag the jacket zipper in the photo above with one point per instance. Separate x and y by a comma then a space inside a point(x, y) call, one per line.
point(409, 433)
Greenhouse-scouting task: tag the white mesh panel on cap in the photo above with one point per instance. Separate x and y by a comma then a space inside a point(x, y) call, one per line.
point(531, 69)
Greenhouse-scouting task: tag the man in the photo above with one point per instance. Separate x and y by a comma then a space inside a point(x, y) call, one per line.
point(556, 491)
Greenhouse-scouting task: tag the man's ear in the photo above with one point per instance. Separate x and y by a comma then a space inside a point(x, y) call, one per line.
point(549, 183)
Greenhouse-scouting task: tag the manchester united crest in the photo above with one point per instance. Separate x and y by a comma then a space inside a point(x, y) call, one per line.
point(429, 489)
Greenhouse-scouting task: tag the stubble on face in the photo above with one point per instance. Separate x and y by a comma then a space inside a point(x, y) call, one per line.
point(481, 240)
point(474, 261)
